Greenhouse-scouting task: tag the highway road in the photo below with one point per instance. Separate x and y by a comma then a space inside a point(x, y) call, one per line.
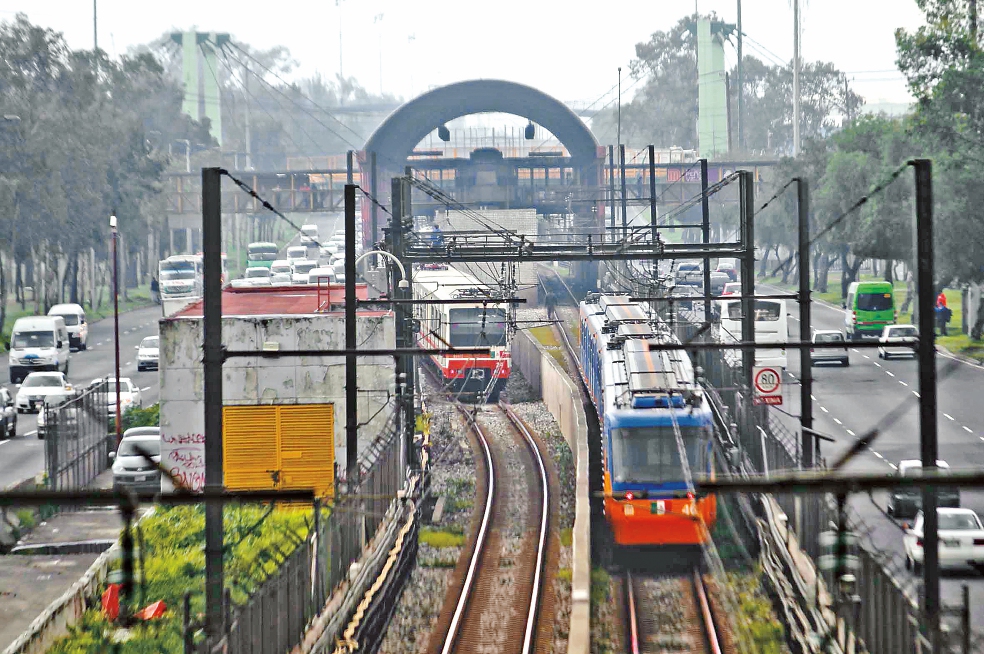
point(22, 457)
point(849, 401)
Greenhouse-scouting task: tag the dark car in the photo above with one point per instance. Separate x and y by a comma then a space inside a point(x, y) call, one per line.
point(906, 502)
point(728, 268)
point(8, 414)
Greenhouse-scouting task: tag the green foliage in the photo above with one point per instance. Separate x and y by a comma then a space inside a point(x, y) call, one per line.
point(757, 624)
point(565, 574)
point(566, 537)
point(146, 417)
point(441, 538)
point(27, 518)
point(257, 541)
point(601, 586)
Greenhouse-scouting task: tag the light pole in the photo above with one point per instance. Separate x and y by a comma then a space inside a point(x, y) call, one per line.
point(116, 325)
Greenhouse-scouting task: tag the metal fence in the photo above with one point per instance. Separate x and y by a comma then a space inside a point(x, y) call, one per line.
point(76, 439)
point(886, 619)
point(277, 613)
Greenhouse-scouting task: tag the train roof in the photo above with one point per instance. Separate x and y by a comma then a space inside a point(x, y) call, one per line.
point(655, 378)
point(450, 283)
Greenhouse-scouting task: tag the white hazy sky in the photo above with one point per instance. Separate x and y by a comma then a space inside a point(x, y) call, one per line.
point(570, 50)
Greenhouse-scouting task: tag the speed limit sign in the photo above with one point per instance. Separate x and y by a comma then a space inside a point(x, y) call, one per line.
point(767, 381)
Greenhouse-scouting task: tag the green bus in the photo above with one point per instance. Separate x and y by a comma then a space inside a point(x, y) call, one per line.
point(261, 255)
point(870, 306)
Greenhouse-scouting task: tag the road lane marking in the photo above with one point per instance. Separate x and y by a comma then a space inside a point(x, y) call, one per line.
point(948, 416)
point(903, 383)
point(145, 388)
point(31, 433)
point(838, 421)
point(968, 429)
point(878, 455)
point(854, 349)
point(877, 364)
point(889, 373)
point(916, 393)
point(824, 409)
point(851, 432)
point(894, 467)
point(128, 363)
point(865, 356)
point(4, 442)
point(813, 397)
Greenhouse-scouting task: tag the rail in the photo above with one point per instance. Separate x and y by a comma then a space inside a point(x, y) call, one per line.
point(695, 638)
point(463, 620)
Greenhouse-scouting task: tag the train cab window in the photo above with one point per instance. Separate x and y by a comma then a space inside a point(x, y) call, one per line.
point(477, 327)
point(650, 454)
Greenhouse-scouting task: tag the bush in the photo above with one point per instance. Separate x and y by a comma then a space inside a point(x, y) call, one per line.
point(440, 538)
point(136, 417)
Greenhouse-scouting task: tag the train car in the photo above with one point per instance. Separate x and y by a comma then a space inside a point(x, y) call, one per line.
point(481, 323)
point(656, 426)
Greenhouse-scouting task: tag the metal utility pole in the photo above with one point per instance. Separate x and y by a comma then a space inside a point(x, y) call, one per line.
point(116, 323)
point(619, 135)
point(808, 456)
point(400, 191)
point(652, 208)
point(373, 208)
point(928, 445)
point(349, 171)
point(796, 78)
point(741, 87)
point(212, 325)
point(625, 210)
point(705, 232)
point(611, 185)
point(746, 189)
point(351, 343)
point(95, 30)
point(248, 133)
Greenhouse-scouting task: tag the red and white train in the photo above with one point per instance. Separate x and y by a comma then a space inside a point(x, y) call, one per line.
point(482, 323)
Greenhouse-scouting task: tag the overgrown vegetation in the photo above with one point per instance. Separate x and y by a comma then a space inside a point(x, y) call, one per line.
point(756, 623)
point(257, 540)
point(142, 417)
point(441, 538)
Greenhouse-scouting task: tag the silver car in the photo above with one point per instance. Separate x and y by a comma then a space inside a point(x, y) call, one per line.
point(829, 354)
point(131, 469)
point(148, 353)
point(897, 340)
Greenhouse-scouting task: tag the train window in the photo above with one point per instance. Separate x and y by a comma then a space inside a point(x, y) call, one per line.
point(650, 454)
point(477, 327)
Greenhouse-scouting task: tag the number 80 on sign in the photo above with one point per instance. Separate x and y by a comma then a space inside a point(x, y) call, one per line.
point(767, 381)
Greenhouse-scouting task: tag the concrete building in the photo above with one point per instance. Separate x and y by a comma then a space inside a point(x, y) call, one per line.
point(284, 417)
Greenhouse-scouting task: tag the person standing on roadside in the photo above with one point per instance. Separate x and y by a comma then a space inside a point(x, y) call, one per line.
point(155, 290)
point(942, 313)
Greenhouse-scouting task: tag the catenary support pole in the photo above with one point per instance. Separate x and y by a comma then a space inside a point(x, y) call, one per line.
point(116, 324)
point(398, 195)
point(611, 189)
point(349, 167)
point(351, 342)
point(212, 325)
point(652, 209)
point(925, 287)
point(806, 370)
point(705, 233)
point(625, 199)
point(747, 209)
point(409, 333)
point(373, 204)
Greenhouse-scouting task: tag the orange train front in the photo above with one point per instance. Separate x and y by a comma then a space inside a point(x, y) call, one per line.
point(657, 427)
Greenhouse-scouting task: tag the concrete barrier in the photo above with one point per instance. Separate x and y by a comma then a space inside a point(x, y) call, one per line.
point(563, 400)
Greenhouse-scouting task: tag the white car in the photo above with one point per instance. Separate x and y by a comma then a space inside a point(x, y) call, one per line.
point(129, 394)
point(37, 386)
point(961, 540)
point(257, 276)
point(328, 249)
point(829, 354)
point(301, 270)
point(732, 288)
point(52, 401)
point(296, 253)
point(280, 272)
point(149, 353)
point(893, 339)
point(309, 234)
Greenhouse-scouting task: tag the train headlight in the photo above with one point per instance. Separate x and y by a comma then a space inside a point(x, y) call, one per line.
point(629, 510)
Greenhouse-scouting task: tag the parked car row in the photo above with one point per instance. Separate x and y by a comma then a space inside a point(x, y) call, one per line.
point(300, 266)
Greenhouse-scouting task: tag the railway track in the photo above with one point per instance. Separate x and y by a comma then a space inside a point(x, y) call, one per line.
point(670, 613)
point(500, 590)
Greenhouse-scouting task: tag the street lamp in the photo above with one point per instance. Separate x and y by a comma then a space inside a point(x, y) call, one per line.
point(116, 325)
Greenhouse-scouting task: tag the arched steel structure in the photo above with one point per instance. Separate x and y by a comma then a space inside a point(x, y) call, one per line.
point(397, 136)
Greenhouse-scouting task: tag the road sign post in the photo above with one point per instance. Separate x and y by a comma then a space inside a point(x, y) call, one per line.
point(767, 383)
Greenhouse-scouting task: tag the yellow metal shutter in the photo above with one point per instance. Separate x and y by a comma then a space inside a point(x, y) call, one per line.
point(250, 446)
point(307, 447)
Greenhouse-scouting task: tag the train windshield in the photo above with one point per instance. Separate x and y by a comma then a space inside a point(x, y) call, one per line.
point(651, 455)
point(478, 327)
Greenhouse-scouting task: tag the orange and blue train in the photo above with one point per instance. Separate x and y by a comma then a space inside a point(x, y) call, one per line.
point(656, 425)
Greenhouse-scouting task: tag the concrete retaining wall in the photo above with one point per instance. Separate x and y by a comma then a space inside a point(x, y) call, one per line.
point(562, 398)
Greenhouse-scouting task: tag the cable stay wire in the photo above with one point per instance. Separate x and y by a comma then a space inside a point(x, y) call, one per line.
point(775, 196)
point(264, 203)
point(860, 202)
point(313, 103)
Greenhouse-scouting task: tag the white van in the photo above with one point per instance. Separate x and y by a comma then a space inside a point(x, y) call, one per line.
point(309, 234)
point(78, 328)
point(38, 343)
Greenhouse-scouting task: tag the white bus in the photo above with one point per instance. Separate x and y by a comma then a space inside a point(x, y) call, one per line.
point(180, 282)
point(771, 326)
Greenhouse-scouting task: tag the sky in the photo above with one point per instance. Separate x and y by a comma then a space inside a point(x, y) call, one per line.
point(569, 50)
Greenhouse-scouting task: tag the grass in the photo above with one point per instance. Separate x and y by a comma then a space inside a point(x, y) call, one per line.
point(440, 538)
point(566, 537)
point(137, 298)
point(957, 342)
point(545, 335)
